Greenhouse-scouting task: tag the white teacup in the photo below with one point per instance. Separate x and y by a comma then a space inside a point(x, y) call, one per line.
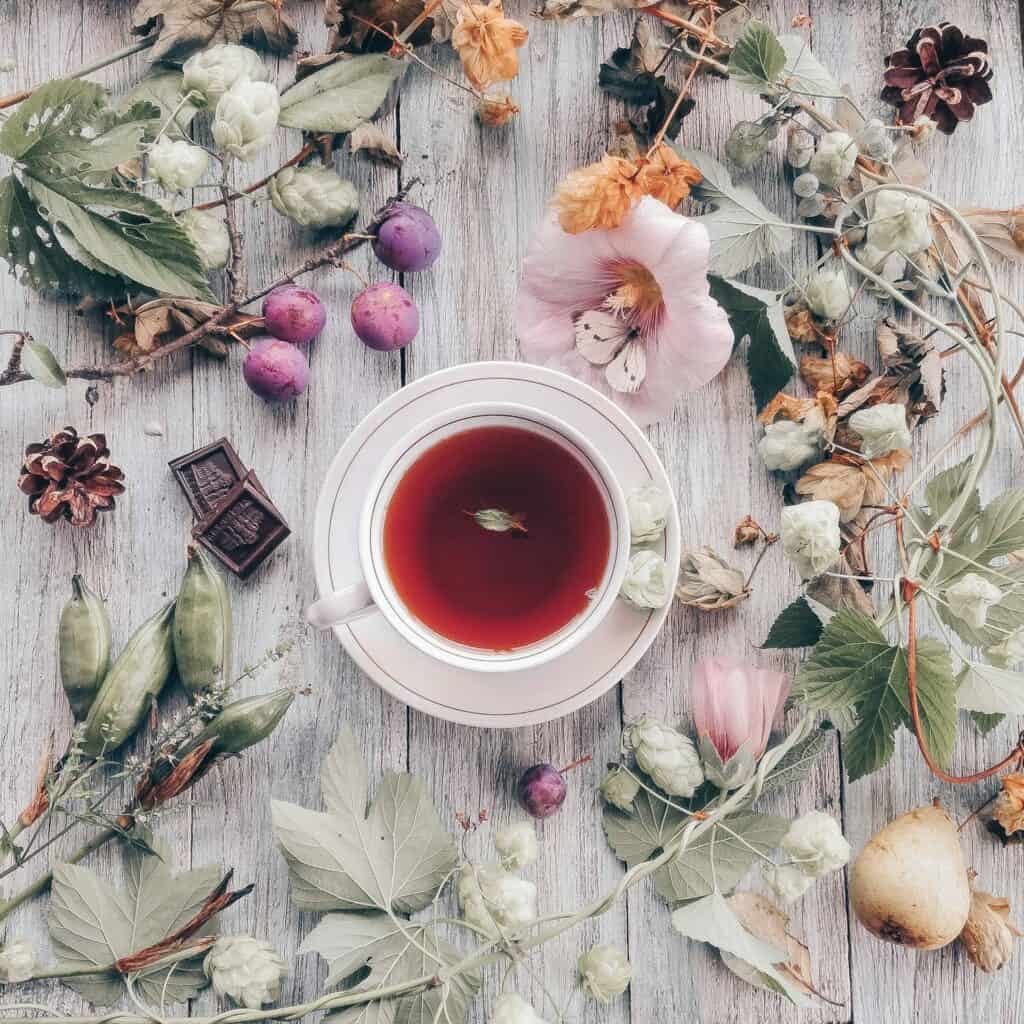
point(375, 592)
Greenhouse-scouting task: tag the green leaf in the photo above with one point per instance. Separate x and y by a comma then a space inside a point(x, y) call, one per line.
point(65, 130)
point(854, 664)
point(757, 59)
point(758, 313)
point(641, 835)
point(712, 920)
point(126, 231)
point(989, 690)
point(41, 364)
point(795, 766)
point(986, 723)
point(93, 924)
point(395, 857)
point(392, 951)
point(941, 491)
point(1003, 618)
point(1000, 528)
point(742, 229)
point(37, 257)
point(342, 95)
point(796, 626)
point(804, 74)
point(162, 87)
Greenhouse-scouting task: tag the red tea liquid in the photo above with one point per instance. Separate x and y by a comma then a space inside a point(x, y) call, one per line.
point(496, 591)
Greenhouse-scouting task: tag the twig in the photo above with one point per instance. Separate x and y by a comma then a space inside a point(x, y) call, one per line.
point(331, 256)
point(13, 368)
point(86, 69)
point(236, 268)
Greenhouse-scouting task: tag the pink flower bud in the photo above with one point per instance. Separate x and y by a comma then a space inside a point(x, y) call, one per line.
point(734, 703)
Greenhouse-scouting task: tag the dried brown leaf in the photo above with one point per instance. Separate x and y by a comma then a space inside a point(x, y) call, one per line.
point(802, 325)
point(836, 591)
point(709, 583)
point(765, 921)
point(836, 376)
point(369, 140)
point(351, 23)
point(1000, 231)
point(835, 481)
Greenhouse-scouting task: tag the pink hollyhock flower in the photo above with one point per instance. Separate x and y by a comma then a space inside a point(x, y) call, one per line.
point(627, 309)
point(735, 704)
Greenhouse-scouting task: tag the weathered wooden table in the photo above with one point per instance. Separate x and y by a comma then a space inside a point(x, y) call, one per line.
point(487, 190)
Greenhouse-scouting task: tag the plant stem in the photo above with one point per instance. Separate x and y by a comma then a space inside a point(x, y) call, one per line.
point(307, 151)
point(86, 69)
point(43, 882)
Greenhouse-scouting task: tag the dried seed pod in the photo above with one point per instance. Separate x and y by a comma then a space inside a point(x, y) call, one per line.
point(244, 723)
point(202, 625)
point(138, 675)
point(83, 645)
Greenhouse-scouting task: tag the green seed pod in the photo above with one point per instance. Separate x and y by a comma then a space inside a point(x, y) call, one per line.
point(139, 674)
point(202, 625)
point(244, 723)
point(83, 645)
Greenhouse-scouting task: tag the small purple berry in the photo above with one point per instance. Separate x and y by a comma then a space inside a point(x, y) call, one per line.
point(276, 370)
point(408, 240)
point(385, 316)
point(541, 790)
point(294, 314)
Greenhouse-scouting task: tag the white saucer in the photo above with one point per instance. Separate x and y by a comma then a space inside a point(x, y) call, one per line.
point(500, 700)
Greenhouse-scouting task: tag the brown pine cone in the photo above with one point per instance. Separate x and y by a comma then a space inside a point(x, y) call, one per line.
point(942, 74)
point(71, 477)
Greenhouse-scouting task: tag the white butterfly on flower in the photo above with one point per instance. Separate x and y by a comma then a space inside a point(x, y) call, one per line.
point(604, 339)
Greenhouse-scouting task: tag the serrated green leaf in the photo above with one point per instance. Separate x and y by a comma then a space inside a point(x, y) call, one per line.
point(396, 856)
point(1000, 529)
point(126, 231)
point(93, 924)
point(990, 690)
point(796, 626)
point(162, 87)
point(757, 59)
point(796, 765)
point(641, 835)
point(936, 696)
point(742, 229)
point(712, 920)
point(804, 74)
point(41, 364)
point(54, 113)
point(29, 245)
point(757, 313)
point(940, 493)
point(986, 723)
point(351, 942)
point(342, 95)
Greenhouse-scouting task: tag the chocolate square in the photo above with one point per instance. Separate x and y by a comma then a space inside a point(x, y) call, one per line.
point(208, 475)
point(243, 529)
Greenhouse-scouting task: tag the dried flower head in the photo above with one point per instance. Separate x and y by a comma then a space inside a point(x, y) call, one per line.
point(802, 326)
point(496, 110)
point(708, 583)
point(486, 42)
point(667, 176)
point(748, 530)
point(988, 935)
point(1008, 809)
point(598, 195)
point(838, 375)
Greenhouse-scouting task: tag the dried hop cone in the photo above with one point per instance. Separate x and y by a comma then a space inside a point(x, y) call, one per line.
point(246, 970)
point(942, 74)
point(71, 477)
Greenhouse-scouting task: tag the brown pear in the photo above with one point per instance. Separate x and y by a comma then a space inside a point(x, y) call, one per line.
point(909, 885)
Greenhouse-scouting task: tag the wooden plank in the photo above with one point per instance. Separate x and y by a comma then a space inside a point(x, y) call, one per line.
point(968, 168)
point(504, 177)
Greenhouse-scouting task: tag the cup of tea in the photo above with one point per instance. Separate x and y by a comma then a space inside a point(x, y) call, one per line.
point(494, 538)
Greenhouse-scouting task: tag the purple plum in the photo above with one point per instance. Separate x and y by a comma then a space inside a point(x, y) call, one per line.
point(541, 790)
point(385, 316)
point(276, 370)
point(294, 314)
point(408, 240)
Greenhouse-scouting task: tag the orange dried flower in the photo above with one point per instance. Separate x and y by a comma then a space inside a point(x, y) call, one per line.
point(486, 42)
point(1008, 809)
point(668, 177)
point(496, 110)
point(598, 196)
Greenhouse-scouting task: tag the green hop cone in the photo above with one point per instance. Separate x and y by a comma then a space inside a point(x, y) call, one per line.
point(667, 756)
point(619, 789)
point(604, 973)
point(245, 970)
point(314, 197)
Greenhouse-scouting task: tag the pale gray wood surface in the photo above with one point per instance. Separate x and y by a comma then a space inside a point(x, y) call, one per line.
point(487, 191)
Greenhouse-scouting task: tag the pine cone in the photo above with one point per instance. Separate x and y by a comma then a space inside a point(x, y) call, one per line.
point(70, 476)
point(942, 74)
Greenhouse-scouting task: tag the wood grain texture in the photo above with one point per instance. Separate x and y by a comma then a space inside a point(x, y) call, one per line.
point(487, 190)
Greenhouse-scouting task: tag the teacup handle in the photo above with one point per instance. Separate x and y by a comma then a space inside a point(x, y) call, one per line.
point(342, 606)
